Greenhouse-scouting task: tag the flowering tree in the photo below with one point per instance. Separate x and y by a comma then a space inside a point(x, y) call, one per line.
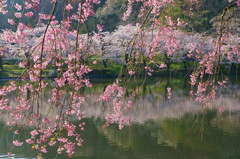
point(59, 43)
point(114, 45)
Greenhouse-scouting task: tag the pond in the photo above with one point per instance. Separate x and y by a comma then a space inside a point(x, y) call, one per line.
point(161, 128)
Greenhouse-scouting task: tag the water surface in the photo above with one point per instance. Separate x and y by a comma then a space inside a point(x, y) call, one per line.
point(176, 129)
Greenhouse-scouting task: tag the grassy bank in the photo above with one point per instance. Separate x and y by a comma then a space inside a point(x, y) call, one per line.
point(12, 70)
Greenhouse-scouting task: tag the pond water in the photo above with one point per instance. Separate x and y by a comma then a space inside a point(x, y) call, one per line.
point(160, 129)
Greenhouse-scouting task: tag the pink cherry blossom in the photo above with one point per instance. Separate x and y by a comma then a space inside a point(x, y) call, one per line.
point(18, 15)
point(34, 133)
point(10, 21)
point(94, 62)
point(169, 92)
point(100, 27)
point(29, 141)
point(29, 14)
point(16, 132)
point(69, 7)
point(169, 21)
point(17, 143)
point(163, 66)
point(131, 72)
point(18, 6)
point(43, 149)
point(220, 109)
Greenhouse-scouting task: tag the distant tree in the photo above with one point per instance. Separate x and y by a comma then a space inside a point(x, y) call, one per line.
point(196, 15)
point(230, 22)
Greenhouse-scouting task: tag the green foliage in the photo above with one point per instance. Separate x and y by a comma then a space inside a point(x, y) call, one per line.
point(197, 17)
point(109, 13)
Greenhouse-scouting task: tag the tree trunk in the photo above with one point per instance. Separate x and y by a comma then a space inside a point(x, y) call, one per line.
point(1, 65)
point(167, 62)
point(126, 58)
point(168, 68)
point(126, 63)
point(185, 66)
point(104, 62)
point(233, 68)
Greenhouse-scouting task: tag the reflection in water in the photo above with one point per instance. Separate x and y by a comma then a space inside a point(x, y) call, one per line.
point(179, 128)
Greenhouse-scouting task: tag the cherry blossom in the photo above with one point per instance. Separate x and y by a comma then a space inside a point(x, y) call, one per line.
point(17, 143)
point(29, 14)
point(69, 7)
point(18, 6)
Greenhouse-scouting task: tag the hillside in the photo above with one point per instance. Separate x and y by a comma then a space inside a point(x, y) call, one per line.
point(109, 13)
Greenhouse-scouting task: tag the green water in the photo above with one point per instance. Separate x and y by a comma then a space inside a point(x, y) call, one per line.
point(161, 129)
